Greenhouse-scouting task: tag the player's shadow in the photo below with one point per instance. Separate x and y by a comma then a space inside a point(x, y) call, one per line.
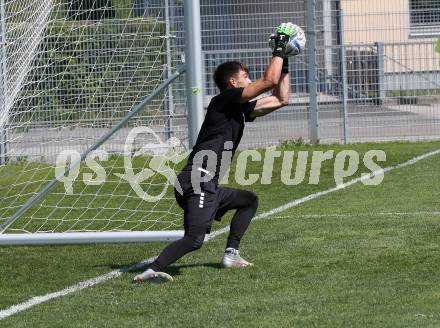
point(173, 270)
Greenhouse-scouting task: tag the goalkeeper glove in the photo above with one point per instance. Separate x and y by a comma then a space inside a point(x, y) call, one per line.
point(297, 40)
point(281, 39)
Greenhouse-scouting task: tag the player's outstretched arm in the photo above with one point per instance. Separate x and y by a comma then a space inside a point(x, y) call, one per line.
point(269, 80)
point(281, 93)
point(272, 75)
point(279, 98)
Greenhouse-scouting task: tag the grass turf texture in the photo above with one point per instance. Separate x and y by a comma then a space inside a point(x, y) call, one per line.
point(362, 268)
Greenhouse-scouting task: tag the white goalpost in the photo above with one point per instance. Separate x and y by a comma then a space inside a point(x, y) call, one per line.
point(86, 105)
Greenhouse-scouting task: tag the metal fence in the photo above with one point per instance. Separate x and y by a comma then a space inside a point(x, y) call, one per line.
point(377, 67)
point(378, 72)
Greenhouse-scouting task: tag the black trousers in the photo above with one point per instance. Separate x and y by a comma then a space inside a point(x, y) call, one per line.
point(200, 209)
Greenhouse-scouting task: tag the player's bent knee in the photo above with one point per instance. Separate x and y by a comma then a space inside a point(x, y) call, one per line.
point(195, 237)
point(192, 243)
point(253, 199)
point(197, 242)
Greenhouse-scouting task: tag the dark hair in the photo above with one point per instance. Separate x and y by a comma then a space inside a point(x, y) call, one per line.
point(225, 71)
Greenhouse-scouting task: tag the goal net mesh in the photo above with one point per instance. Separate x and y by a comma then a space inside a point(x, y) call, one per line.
point(70, 70)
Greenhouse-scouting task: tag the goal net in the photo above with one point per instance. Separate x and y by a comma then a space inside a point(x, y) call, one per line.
point(70, 71)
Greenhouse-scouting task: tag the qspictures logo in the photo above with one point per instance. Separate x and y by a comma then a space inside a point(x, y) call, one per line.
point(297, 166)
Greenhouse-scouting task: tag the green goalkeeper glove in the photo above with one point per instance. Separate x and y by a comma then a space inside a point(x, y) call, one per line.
point(297, 40)
point(281, 39)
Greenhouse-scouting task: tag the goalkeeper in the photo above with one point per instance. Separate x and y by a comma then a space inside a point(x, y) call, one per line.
point(202, 199)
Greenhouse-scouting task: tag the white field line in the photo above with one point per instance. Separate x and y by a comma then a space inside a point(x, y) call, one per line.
point(72, 289)
point(41, 299)
point(354, 215)
point(328, 191)
point(116, 273)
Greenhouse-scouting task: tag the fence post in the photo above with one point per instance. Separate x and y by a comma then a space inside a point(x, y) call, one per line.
point(312, 76)
point(380, 72)
point(344, 75)
point(193, 61)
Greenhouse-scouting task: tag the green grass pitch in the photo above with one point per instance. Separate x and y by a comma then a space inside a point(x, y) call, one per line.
point(359, 257)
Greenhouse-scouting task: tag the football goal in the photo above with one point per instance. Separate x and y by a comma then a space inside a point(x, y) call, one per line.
point(93, 118)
